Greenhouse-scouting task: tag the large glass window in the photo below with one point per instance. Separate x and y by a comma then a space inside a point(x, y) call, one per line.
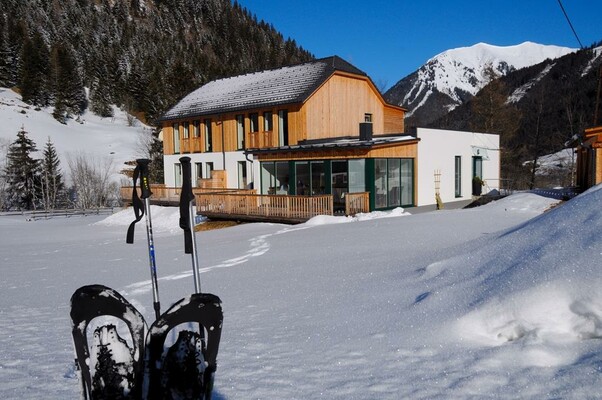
point(318, 179)
point(407, 181)
point(283, 128)
point(357, 176)
point(393, 182)
point(303, 178)
point(275, 177)
point(380, 183)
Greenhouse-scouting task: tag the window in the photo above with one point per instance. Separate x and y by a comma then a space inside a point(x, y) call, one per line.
point(268, 124)
point(275, 177)
point(198, 170)
point(357, 176)
point(208, 136)
point(208, 170)
point(477, 167)
point(176, 138)
point(367, 117)
point(178, 174)
point(311, 178)
point(380, 183)
point(242, 174)
point(254, 121)
point(393, 182)
point(185, 130)
point(283, 128)
point(458, 176)
point(196, 132)
point(240, 132)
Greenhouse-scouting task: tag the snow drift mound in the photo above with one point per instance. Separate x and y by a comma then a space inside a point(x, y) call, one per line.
point(164, 219)
point(537, 282)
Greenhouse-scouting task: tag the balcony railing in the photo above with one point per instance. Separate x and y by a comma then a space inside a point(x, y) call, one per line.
point(240, 204)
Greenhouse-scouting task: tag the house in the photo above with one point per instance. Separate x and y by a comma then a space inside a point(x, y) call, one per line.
point(314, 129)
point(451, 160)
point(589, 157)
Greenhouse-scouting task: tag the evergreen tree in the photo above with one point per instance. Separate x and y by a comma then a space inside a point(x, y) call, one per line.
point(69, 94)
point(35, 72)
point(52, 187)
point(22, 173)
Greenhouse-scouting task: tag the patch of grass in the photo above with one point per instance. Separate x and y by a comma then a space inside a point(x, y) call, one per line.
point(210, 225)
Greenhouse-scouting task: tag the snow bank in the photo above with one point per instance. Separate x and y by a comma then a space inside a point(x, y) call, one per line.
point(164, 219)
point(535, 283)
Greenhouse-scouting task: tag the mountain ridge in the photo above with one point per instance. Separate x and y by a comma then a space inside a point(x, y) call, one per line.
point(452, 77)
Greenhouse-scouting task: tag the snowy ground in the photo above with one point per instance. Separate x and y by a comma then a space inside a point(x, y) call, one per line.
point(499, 301)
point(102, 140)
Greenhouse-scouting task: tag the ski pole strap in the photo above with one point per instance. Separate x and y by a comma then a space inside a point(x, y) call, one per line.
point(186, 196)
point(141, 171)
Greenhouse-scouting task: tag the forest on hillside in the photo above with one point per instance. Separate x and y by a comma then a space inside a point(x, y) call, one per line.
point(141, 55)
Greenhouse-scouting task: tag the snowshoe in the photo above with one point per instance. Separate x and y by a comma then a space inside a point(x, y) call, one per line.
point(109, 368)
point(184, 370)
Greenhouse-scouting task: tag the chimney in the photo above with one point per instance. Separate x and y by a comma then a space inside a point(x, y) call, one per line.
point(365, 130)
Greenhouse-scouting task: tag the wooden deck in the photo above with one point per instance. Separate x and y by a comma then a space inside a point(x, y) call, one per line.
point(246, 205)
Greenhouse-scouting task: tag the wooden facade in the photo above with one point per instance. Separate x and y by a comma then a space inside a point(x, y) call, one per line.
point(334, 110)
point(589, 158)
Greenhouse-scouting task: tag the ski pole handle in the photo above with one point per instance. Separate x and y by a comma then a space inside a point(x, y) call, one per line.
point(144, 181)
point(187, 214)
point(186, 179)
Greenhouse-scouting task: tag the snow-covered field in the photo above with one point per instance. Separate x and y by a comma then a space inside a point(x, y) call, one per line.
point(500, 301)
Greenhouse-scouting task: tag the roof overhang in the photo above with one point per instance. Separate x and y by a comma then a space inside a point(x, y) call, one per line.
point(340, 144)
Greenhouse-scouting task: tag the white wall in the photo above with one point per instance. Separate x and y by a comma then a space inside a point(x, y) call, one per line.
point(437, 150)
point(231, 158)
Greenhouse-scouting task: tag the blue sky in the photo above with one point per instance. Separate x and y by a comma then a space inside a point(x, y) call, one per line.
point(391, 39)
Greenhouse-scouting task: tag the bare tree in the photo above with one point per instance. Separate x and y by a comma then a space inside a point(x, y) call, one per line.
point(91, 178)
point(4, 144)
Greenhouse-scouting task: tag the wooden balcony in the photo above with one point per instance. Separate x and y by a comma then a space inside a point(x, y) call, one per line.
point(246, 205)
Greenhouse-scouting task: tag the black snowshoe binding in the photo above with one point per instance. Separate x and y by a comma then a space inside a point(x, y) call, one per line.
point(186, 369)
point(109, 368)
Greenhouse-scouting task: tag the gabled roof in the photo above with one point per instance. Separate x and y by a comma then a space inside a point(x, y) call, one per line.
point(286, 85)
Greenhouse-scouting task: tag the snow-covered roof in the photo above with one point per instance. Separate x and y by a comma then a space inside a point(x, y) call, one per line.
point(286, 85)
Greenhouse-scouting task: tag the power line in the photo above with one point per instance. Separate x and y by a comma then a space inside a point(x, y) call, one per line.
point(569, 21)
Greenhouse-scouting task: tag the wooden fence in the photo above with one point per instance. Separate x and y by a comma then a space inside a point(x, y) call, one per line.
point(356, 203)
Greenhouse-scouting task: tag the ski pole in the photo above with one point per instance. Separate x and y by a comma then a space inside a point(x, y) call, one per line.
point(140, 209)
point(146, 193)
point(187, 214)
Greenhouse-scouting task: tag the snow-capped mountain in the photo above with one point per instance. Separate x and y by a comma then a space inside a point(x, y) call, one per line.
point(454, 76)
